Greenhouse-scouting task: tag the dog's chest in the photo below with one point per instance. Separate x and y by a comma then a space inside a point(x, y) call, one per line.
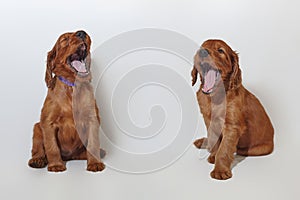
point(76, 117)
point(209, 109)
point(83, 103)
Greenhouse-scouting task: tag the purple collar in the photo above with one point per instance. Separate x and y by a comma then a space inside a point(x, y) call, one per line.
point(65, 81)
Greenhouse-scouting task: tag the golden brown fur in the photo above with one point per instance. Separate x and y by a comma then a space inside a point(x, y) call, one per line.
point(69, 122)
point(235, 119)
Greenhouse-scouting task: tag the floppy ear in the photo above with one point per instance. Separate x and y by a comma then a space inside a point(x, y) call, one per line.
point(50, 81)
point(236, 75)
point(194, 74)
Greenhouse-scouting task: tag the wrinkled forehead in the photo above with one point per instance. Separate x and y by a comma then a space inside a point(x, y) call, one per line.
point(64, 36)
point(71, 34)
point(67, 37)
point(215, 44)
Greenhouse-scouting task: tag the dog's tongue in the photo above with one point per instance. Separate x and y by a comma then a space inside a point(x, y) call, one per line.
point(79, 66)
point(209, 81)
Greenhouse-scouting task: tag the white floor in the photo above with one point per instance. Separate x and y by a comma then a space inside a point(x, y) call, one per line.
point(272, 177)
point(266, 35)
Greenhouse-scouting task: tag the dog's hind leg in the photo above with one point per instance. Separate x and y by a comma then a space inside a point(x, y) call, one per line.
point(201, 143)
point(258, 150)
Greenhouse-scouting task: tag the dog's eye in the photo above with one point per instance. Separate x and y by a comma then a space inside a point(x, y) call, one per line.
point(221, 51)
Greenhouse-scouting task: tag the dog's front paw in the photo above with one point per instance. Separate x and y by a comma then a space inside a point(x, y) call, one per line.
point(211, 159)
point(40, 162)
point(201, 143)
point(57, 167)
point(221, 175)
point(96, 167)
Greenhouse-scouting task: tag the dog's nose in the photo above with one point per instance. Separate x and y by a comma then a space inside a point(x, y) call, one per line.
point(81, 34)
point(203, 53)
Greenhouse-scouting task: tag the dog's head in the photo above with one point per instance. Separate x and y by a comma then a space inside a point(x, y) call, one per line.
point(217, 65)
point(69, 58)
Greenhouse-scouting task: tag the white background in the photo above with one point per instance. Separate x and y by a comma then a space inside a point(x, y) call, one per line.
point(264, 32)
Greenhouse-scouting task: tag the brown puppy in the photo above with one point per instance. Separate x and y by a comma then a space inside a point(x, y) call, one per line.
point(69, 123)
point(236, 121)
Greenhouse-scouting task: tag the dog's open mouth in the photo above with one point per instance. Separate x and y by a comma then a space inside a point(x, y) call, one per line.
point(211, 78)
point(78, 61)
